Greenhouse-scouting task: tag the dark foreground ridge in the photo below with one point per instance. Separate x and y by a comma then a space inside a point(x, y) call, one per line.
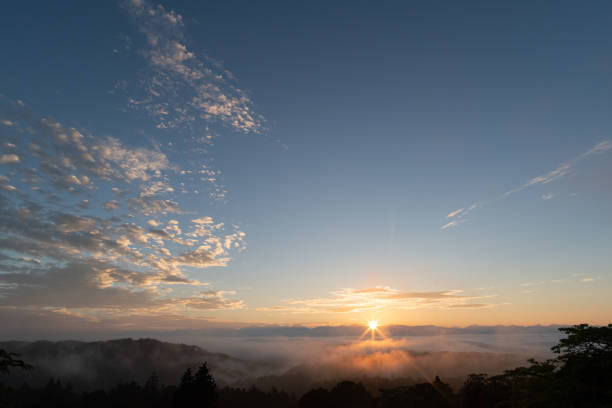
point(579, 376)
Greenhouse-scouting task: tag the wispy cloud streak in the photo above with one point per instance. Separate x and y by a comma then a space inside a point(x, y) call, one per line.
point(370, 299)
point(566, 168)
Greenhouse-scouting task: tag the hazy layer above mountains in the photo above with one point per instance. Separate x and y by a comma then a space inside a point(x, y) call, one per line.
point(290, 358)
point(297, 342)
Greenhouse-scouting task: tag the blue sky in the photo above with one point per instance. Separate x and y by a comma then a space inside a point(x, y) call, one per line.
point(332, 141)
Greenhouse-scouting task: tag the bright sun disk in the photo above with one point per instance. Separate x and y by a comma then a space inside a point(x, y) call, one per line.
point(372, 324)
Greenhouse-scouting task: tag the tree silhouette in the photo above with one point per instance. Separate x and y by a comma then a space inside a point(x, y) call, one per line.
point(253, 397)
point(315, 398)
point(481, 391)
point(350, 394)
point(152, 384)
point(206, 386)
point(472, 394)
point(585, 359)
point(152, 391)
point(8, 361)
point(436, 394)
point(580, 376)
point(184, 394)
point(199, 390)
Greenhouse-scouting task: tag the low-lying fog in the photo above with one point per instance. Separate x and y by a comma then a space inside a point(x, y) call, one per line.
point(296, 359)
point(300, 348)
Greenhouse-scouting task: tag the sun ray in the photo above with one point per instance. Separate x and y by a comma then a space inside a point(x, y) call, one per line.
point(365, 332)
point(373, 328)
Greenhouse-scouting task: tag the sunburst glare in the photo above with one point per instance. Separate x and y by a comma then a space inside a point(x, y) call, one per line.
point(373, 328)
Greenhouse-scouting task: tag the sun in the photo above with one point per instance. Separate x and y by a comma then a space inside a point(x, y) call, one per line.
point(373, 329)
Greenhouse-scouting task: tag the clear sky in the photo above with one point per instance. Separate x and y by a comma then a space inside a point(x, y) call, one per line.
point(192, 164)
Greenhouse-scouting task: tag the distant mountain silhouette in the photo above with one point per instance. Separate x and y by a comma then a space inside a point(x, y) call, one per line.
point(357, 330)
point(102, 364)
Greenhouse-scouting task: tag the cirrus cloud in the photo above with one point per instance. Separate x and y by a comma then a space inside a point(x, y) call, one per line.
point(377, 298)
point(565, 169)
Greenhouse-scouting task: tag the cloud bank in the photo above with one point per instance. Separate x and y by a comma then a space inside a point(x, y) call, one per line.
point(66, 248)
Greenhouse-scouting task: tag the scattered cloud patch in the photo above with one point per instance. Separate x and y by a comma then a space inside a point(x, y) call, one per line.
point(111, 205)
point(547, 196)
point(77, 232)
point(186, 88)
point(9, 159)
point(215, 300)
point(532, 283)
